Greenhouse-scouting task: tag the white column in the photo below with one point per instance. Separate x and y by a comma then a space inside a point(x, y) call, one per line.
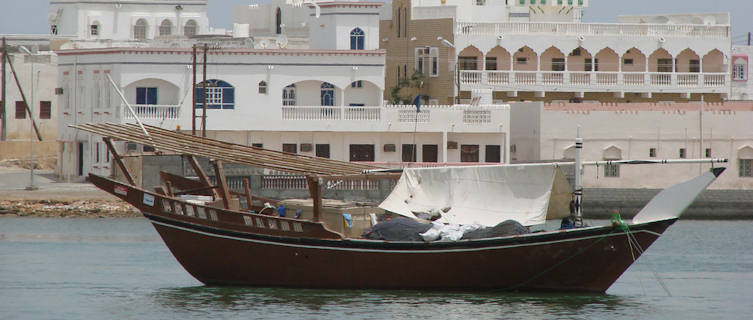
point(444, 146)
point(507, 145)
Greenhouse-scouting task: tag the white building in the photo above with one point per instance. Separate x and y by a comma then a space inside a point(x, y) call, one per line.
point(324, 101)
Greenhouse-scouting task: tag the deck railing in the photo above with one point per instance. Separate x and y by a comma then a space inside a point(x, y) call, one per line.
point(594, 81)
point(152, 111)
point(594, 29)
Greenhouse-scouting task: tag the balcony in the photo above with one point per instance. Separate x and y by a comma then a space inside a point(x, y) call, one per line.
point(593, 29)
point(594, 81)
point(152, 114)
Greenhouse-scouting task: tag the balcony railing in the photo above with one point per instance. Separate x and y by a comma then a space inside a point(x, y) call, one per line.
point(469, 115)
point(594, 29)
point(594, 81)
point(151, 111)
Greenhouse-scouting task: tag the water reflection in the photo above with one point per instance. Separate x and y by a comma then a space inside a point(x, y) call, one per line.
point(376, 304)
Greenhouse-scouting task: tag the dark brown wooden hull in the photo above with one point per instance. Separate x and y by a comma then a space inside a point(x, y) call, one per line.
point(234, 248)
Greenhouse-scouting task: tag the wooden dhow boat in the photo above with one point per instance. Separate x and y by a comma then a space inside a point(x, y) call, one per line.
point(221, 242)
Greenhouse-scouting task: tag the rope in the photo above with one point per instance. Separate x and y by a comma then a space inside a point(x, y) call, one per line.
point(633, 243)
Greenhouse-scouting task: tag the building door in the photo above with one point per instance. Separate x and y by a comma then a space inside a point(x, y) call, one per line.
point(80, 158)
point(469, 153)
point(322, 150)
point(429, 153)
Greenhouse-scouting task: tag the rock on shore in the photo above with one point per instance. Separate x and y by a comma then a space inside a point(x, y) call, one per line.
point(67, 209)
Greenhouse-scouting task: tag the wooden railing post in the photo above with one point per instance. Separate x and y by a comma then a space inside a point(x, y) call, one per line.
point(315, 189)
point(219, 173)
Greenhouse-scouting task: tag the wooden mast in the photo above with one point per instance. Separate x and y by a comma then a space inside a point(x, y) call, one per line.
point(119, 161)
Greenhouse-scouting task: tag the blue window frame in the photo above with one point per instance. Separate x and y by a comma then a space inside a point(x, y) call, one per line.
point(356, 84)
point(328, 94)
point(220, 95)
point(146, 95)
point(357, 39)
point(288, 95)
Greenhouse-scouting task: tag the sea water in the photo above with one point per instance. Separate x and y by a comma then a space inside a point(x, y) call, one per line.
point(120, 269)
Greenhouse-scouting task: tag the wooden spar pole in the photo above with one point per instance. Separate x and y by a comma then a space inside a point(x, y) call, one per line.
point(2, 97)
point(201, 174)
point(249, 197)
point(204, 96)
point(219, 173)
point(169, 188)
point(193, 94)
point(119, 161)
point(315, 189)
point(23, 97)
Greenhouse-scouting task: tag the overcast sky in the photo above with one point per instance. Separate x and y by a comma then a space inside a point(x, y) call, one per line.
point(30, 16)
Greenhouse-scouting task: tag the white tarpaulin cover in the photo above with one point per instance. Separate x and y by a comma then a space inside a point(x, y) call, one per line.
point(486, 195)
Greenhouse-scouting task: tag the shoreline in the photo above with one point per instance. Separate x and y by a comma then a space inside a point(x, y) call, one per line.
point(67, 209)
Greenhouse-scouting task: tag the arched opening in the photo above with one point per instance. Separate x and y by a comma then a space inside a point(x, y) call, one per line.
point(278, 21)
point(606, 60)
point(469, 59)
point(714, 61)
point(361, 93)
point(189, 30)
point(327, 94)
point(219, 95)
point(497, 59)
point(612, 153)
point(634, 61)
point(139, 29)
point(552, 59)
point(525, 59)
point(357, 37)
point(152, 92)
point(166, 28)
point(262, 87)
point(579, 60)
point(688, 61)
point(740, 68)
point(660, 61)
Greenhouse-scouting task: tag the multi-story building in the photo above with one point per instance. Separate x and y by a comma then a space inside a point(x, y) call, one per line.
point(324, 100)
point(34, 69)
point(540, 51)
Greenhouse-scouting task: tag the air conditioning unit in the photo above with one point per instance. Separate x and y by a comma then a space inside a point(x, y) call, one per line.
point(452, 145)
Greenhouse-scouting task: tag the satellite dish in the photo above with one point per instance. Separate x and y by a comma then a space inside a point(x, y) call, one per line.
point(281, 41)
point(264, 43)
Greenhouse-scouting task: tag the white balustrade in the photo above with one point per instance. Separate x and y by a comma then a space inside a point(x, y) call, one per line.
point(688, 79)
point(362, 113)
point(498, 77)
point(525, 77)
point(633, 78)
point(580, 78)
point(594, 29)
point(310, 113)
point(152, 111)
point(470, 76)
point(552, 77)
point(715, 80)
point(606, 78)
point(661, 79)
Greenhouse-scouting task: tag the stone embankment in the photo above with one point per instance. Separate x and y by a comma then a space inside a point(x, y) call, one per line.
point(67, 209)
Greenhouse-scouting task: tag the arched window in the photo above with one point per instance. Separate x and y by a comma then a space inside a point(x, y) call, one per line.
point(740, 69)
point(745, 161)
point(94, 28)
point(262, 87)
point(288, 95)
point(166, 28)
point(220, 95)
point(189, 30)
point(612, 153)
point(356, 39)
point(278, 21)
point(139, 30)
point(328, 94)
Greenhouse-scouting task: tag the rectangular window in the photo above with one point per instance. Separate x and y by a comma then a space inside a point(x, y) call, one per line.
point(588, 63)
point(521, 60)
point(558, 64)
point(94, 30)
point(480, 2)
point(258, 145)
point(652, 152)
point(492, 153)
point(45, 109)
point(429, 152)
point(708, 152)
point(409, 153)
point(361, 152)
point(491, 63)
point(627, 62)
point(290, 147)
point(96, 152)
point(356, 84)
point(746, 167)
point(149, 96)
point(420, 55)
point(469, 153)
point(522, 2)
point(683, 154)
point(612, 170)
point(434, 55)
point(20, 110)
point(322, 150)
point(695, 66)
point(467, 63)
point(738, 72)
point(664, 65)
